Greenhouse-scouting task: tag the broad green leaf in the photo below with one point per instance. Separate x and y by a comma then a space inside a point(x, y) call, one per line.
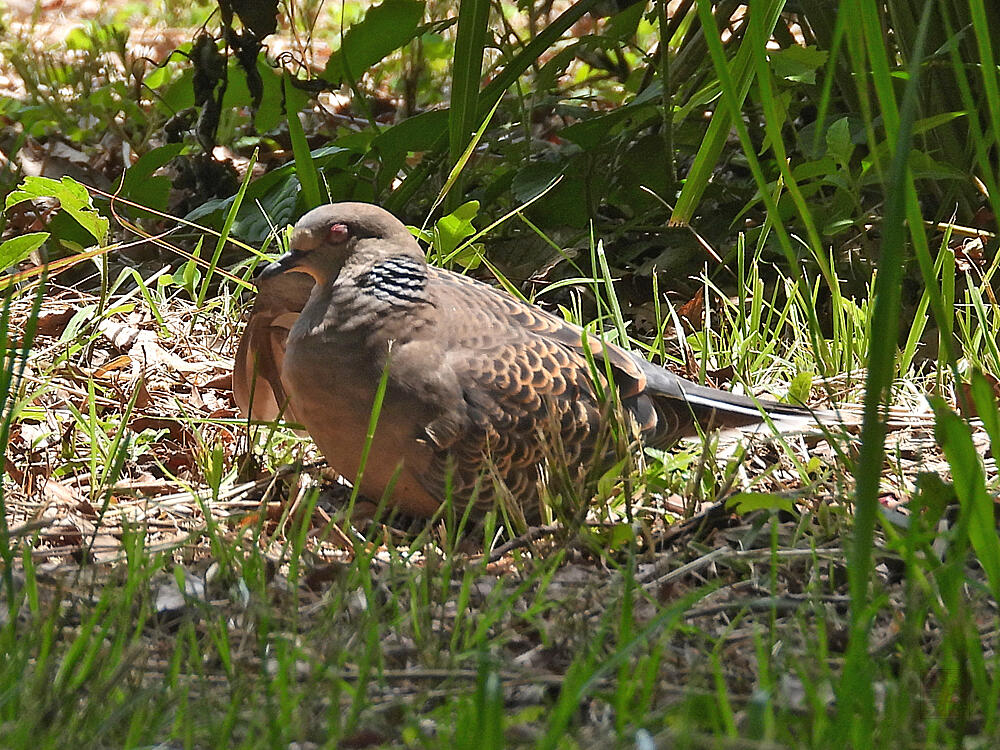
point(276, 192)
point(278, 99)
point(623, 25)
point(70, 193)
point(808, 170)
point(932, 498)
point(745, 502)
point(535, 179)
point(16, 249)
point(384, 29)
point(421, 132)
point(456, 226)
point(838, 142)
point(798, 389)
point(955, 438)
point(615, 536)
point(73, 199)
point(797, 63)
point(418, 133)
point(555, 67)
point(274, 103)
point(921, 167)
point(566, 203)
point(141, 186)
point(987, 409)
point(589, 133)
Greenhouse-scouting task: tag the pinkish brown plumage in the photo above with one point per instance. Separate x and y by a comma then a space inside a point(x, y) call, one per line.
point(480, 385)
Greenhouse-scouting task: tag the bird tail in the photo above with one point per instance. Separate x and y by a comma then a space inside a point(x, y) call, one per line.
point(716, 409)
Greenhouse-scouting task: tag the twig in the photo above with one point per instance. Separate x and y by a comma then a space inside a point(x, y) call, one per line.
point(531, 535)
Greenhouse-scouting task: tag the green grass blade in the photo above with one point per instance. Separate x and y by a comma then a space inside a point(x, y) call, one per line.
point(467, 71)
point(13, 361)
point(856, 717)
point(305, 167)
point(460, 163)
point(740, 74)
point(224, 234)
point(955, 437)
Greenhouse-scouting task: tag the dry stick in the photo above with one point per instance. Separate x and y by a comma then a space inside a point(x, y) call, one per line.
point(533, 534)
point(702, 562)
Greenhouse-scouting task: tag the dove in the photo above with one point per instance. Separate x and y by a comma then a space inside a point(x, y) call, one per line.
point(481, 388)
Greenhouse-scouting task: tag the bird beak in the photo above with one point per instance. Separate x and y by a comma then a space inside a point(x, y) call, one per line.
point(290, 261)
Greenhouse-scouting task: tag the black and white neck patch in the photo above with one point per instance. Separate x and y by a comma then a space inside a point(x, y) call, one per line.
point(399, 280)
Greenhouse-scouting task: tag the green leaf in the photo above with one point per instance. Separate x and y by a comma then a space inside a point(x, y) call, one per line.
point(277, 206)
point(924, 167)
point(278, 99)
point(191, 276)
point(555, 67)
point(73, 199)
point(139, 184)
point(986, 408)
point(535, 179)
point(589, 133)
point(623, 25)
point(932, 498)
point(615, 536)
point(78, 39)
point(16, 249)
point(798, 389)
point(745, 502)
point(274, 103)
point(470, 41)
point(384, 29)
point(455, 227)
point(414, 134)
point(797, 63)
point(955, 438)
point(566, 203)
point(276, 192)
point(305, 167)
point(179, 93)
point(838, 141)
point(421, 132)
point(810, 170)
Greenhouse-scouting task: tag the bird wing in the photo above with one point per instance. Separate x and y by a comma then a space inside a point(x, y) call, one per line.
point(257, 387)
point(665, 406)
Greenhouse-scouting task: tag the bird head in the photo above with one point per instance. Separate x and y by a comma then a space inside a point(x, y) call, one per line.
point(327, 237)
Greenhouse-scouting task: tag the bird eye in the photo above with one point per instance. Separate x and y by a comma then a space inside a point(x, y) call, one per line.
point(339, 232)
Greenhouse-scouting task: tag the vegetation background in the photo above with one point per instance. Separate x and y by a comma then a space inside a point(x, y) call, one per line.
point(795, 198)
